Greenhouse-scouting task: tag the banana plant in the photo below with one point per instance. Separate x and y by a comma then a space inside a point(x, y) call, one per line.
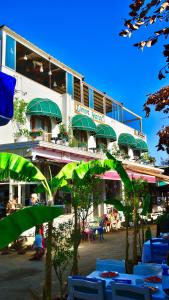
point(78, 173)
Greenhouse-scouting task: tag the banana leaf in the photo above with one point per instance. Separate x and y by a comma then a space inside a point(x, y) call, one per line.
point(116, 203)
point(146, 205)
point(61, 179)
point(18, 168)
point(101, 166)
point(121, 171)
point(13, 225)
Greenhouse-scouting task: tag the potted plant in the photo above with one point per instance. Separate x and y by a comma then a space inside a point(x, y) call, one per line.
point(19, 120)
point(63, 134)
point(147, 159)
point(102, 148)
point(36, 133)
point(73, 142)
point(22, 135)
point(82, 145)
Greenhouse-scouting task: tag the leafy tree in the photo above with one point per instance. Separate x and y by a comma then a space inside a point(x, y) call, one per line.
point(133, 201)
point(144, 14)
point(62, 251)
point(81, 176)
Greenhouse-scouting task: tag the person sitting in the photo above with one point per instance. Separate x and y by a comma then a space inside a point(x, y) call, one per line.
point(115, 219)
point(34, 199)
point(11, 205)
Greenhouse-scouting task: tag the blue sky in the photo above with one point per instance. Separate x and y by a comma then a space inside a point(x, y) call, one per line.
point(84, 35)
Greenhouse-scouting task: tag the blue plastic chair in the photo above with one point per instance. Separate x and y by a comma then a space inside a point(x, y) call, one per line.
point(85, 288)
point(110, 265)
point(159, 249)
point(128, 292)
point(148, 269)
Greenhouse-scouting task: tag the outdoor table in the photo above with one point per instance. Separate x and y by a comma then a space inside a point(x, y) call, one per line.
point(159, 295)
point(146, 252)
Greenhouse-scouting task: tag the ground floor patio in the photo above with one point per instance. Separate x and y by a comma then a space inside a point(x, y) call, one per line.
point(22, 279)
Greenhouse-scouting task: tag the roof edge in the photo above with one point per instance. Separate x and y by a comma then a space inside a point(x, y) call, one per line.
point(43, 53)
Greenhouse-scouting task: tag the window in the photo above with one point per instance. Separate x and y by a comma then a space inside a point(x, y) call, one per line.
point(69, 84)
point(32, 65)
point(10, 60)
point(77, 90)
point(41, 122)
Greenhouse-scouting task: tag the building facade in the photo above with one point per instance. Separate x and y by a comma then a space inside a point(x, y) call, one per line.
point(66, 120)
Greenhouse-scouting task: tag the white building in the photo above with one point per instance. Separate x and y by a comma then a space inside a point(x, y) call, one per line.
point(56, 94)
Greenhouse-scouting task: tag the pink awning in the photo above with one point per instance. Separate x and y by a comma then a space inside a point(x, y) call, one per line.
point(113, 175)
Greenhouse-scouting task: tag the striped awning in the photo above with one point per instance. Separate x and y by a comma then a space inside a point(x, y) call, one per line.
point(44, 107)
point(126, 139)
point(141, 145)
point(105, 131)
point(82, 122)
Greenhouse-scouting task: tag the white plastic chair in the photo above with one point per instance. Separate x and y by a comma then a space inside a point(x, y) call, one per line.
point(85, 290)
point(128, 292)
point(148, 269)
point(110, 265)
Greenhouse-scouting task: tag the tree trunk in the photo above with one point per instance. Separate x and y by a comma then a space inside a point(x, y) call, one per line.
point(61, 287)
point(142, 233)
point(47, 289)
point(76, 242)
point(127, 241)
point(128, 262)
point(135, 235)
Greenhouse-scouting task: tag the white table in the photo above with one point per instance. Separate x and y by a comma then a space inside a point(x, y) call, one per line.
point(146, 252)
point(159, 295)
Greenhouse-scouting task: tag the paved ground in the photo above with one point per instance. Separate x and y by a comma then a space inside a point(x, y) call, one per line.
point(19, 277)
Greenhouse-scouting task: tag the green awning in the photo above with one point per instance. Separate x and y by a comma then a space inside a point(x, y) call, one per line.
point(162, 183)
point(82, 122)
point(105, 131)
point(126, 139)
point(141, 145)
point(44, 107)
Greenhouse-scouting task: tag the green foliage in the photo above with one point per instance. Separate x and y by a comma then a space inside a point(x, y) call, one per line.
point(19, 111)
point(73, 142)
point(18, 168)
point(82, 145)
point(13, 225)
point(62, 251)
point(116, 203)
point(146, 158)
point(102, 147)
point(78, 170)
point(146, 204)
point(36, 132)
point(62, 244)
point(116, 151)
point(22, 131)
point(63, 134)
point(148, 234)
